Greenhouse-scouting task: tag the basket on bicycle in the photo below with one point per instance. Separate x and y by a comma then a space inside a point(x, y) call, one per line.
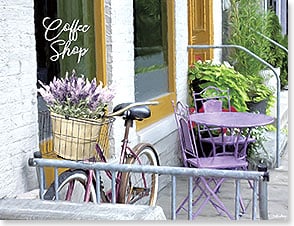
point(75, 139)
point(72, 138)
point(76, 97)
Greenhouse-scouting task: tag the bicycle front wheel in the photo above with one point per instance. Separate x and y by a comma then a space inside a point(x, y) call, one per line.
point(140, 188)
point(72, 185)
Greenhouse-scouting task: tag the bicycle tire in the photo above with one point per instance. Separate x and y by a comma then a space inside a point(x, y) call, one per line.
point(132, 183)
point(80, 178)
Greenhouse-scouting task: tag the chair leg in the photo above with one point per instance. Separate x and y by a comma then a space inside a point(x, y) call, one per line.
point(208, 187)
point(197, 183)
point(218, 204)
point(203, 192)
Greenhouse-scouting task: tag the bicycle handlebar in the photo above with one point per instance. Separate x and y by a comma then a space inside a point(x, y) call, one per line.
point(119, 112)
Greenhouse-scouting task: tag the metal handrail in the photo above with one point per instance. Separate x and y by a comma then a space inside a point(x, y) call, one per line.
point(261, 177)
point(278, 86)
point(272, 41)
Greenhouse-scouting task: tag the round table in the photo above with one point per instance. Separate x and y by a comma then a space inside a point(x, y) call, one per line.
point(242, 121)
point(232, 119)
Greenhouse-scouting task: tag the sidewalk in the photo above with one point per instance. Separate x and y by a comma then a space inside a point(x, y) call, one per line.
point(278, 197)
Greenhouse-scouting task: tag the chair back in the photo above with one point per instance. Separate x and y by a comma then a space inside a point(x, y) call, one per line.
point(213, 106)
point(185, 131)
point(210, 99)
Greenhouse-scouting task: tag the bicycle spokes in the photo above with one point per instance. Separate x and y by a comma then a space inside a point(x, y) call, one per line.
point(136, 193)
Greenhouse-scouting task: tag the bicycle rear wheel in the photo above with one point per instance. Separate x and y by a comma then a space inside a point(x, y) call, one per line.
point(72, 186)
point(140, 188)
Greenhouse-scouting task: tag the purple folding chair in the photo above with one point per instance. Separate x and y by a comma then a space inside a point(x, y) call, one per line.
point(208, 187)
point(222, 140)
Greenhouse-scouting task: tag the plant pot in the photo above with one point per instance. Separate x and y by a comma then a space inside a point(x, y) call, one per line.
point(258, 106)
point(75, 139)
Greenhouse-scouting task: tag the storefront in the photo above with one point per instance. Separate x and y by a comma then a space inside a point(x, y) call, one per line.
point(139, 46)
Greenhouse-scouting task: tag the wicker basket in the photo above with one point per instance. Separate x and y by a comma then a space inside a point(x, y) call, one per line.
point(75, 138)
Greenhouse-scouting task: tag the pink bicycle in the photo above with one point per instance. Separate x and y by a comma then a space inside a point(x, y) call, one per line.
point(130, 187)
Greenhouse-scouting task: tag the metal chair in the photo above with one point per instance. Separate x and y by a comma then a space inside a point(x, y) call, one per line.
point(208, 187)
point(222, 140)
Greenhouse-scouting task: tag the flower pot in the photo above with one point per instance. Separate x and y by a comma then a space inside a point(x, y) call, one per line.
point(75, 139)
point(258, 106)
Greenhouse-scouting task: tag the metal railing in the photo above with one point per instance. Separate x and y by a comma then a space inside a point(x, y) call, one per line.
point(259, 188)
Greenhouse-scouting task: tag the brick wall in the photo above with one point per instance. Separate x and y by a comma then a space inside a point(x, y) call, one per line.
point(18, 102)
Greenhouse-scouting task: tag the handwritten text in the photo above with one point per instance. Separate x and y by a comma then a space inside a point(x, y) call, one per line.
point(53, 32)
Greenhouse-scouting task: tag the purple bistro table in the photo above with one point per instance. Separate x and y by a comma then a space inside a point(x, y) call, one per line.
point(242, 122)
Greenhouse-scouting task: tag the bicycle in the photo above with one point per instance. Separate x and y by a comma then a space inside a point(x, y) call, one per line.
point(130, 187)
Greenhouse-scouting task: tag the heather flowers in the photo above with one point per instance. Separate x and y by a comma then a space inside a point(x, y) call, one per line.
point(76, 96)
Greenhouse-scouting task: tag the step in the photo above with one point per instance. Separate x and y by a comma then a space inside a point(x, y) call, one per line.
point(36, 209)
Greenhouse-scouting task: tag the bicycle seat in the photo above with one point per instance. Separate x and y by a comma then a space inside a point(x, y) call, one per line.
point(135, 113)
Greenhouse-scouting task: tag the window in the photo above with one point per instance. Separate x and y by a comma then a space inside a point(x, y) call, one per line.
point(154, 61)
point(69, 35)
point(67, 38)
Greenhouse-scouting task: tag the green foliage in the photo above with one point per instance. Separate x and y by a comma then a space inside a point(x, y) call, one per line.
point(256, 151)
point(246, 18)
point(204, 74)
point(284, 64)
point(277, 57)
point(150, 68)
point(242, 88)
point(247, 23)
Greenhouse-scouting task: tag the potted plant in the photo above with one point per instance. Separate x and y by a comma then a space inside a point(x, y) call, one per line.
point(261, 96)
point(204, 74)
point(256, 151)
point(77, 108)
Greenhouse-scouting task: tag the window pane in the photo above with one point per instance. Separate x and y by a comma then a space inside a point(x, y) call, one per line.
point(65, 38)
point(151, 57)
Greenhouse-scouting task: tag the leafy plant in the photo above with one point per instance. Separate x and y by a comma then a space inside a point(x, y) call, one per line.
point(204, 74)
point(75, 96)
point(246, 17)
point(258, 92)
point(256, 151)
point(248, 23)
point(276, 56)
point(243, 89)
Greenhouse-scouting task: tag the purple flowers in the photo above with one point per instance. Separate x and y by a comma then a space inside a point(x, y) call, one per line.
point(76, 96)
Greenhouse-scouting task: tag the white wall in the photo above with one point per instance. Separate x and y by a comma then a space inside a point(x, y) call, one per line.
point(18, 101)
point(217, 28)
point(120, 60)
point(120, 57)
point(181, 38)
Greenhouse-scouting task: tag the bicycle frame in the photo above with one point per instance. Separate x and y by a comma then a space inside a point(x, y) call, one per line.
point(126, 187)
point(122, 160)
point(124, 153)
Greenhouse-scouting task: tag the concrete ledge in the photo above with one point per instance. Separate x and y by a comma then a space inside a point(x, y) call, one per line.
point(36, 209)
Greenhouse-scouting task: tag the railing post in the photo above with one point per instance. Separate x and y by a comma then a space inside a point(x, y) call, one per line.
point(173, 208)
point(40, 175)
point(263, 205)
